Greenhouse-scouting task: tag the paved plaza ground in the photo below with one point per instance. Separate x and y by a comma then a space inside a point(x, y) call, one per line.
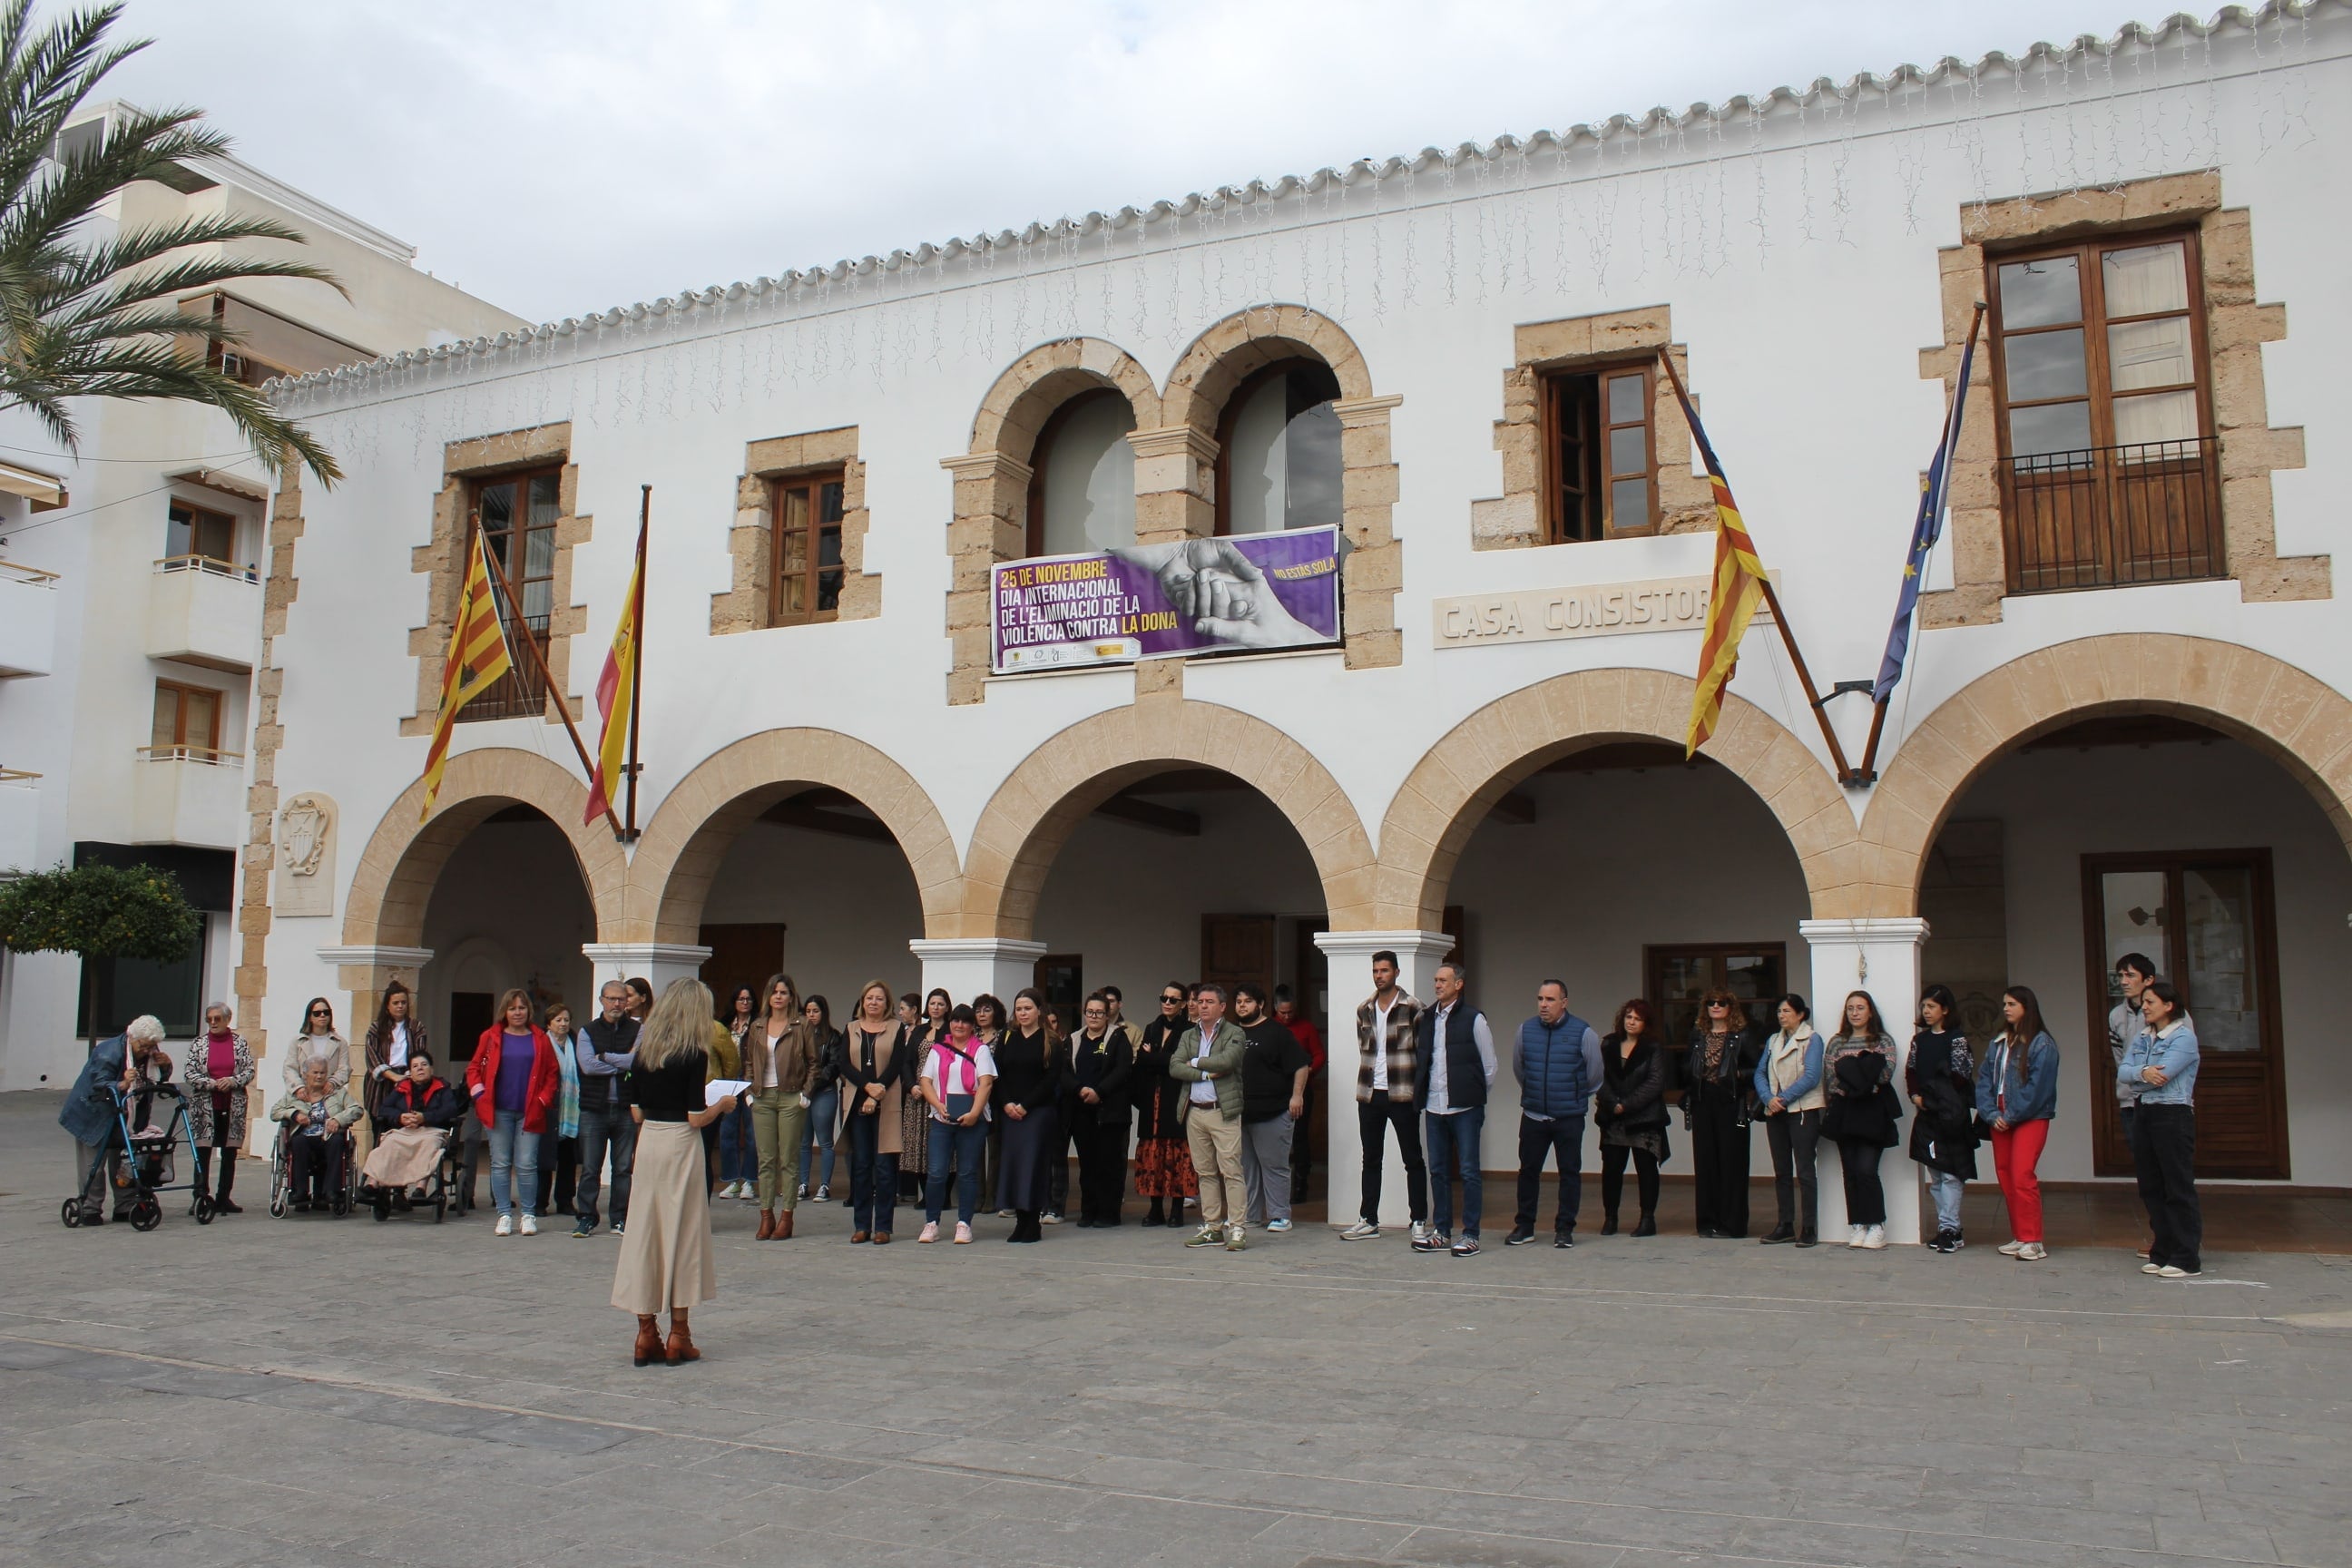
point(308, 1391)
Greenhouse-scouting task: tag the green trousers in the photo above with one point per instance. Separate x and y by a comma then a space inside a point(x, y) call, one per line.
point(777, 1117)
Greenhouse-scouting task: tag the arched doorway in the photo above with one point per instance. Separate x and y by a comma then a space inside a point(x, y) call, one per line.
point(1559, 833)
point(508, 908)
point(2168, 796)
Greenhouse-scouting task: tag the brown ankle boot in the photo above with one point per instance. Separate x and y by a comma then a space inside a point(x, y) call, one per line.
point(649, 1343)
point(783, 1227)
point(680, 1348)
point(767, 1225)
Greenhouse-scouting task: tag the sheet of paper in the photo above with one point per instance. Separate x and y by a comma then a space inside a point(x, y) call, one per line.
point(721, 1089)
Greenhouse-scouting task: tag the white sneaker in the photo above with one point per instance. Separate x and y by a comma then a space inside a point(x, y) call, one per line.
point(2174, 1271)
point(1854, 1235)
point(1362, 1230)
point(505, 1226)
point(824, 1195)
point(1875, 1239)
point(930, 1232)
point(1277, 1225)
point(742, 1189)
point(2012, 1248)
point(2032, 1252)
point(2151, 1268)
point(1051, 1216)
point(531, 1225)
point(963, 1234)
point(1420, 1230)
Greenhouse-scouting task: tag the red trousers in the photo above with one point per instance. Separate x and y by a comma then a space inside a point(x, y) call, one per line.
point(2015, 1153)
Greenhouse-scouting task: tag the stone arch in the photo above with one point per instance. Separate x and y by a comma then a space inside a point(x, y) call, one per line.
point(1449, 792)
point(1026, 821)
point(678, 856)
point(2298, 720)
point(1220, 358)
point(1047, 376)
point(393, 883)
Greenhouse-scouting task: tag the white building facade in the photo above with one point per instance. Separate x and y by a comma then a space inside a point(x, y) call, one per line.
point(131, 607)
point(2124, 726)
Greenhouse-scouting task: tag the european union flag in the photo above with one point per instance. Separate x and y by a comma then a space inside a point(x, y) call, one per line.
point(1927, 530)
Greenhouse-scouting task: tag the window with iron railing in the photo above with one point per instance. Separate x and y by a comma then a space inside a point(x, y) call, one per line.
point(517, 515)
point(2109, 472)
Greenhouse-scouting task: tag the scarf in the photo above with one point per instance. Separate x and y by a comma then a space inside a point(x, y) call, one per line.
point(971, 1060)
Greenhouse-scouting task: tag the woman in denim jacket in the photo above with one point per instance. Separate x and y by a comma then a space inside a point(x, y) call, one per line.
point(2158, 1074)
point(2017, 1096)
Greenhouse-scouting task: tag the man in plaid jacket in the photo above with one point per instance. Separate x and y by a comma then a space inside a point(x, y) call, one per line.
point(1386, 1067)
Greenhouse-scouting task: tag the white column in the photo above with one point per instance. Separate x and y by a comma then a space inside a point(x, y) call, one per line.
point(656, 961)
point(1882, 957)
point(964, 966)
point(1350, 952)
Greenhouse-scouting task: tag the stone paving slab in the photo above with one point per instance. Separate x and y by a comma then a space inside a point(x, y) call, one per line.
point(1109, 1398)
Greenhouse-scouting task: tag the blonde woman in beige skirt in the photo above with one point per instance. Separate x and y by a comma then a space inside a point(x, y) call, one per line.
point(665, 1259)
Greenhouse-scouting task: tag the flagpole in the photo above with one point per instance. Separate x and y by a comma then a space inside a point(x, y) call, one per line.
point(1772, 603)
point(1867, 771)
point(637, 659)
point(563, 709)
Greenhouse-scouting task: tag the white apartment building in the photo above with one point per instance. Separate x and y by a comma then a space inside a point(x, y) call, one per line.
point(2127, 725)
point(130, 599)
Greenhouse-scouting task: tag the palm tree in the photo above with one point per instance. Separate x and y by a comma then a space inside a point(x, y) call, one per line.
point(89, 317)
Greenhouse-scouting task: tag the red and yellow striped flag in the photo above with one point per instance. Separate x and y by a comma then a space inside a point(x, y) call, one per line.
point(478, 656)
point(617, 697)
point(1738, 589)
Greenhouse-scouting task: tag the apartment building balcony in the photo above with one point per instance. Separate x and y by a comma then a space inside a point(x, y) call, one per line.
point(205, 612)
point(189, 794)
point(28, 620)
point(20, 821)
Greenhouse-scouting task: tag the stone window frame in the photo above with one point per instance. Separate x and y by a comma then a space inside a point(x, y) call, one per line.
point(442, 561)
point(2236, 326)
point(746, 605)
point(1607, 339)
point(1175, 472)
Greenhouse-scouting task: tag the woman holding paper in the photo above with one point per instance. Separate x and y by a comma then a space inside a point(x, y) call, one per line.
point(779, 1062)
point(665, 1261)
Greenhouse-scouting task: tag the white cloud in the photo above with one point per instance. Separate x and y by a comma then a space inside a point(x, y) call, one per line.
point(559, 157)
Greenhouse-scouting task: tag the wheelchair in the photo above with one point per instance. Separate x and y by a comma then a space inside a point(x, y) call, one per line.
point(445, 1189)
point(281, 1175)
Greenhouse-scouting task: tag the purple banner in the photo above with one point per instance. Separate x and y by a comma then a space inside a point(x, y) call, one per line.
point(1204, 596)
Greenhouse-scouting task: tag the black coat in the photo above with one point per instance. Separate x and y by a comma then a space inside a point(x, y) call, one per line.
point(1103, 1065)
point(1637, 1082)
point(1863, 1106)
point(1735, 1081)
point(1159, 1099)
point(1942, 1130)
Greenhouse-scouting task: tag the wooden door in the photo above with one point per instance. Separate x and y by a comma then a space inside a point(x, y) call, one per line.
point(1062, 978)
point(741, 954)
point(1235, 948)
point(2206, 919)
point(470, 1013)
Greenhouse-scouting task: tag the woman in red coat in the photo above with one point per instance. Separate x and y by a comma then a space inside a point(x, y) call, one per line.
point(512, 1081)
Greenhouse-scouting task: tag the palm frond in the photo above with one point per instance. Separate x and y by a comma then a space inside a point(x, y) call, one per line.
point(86, 314)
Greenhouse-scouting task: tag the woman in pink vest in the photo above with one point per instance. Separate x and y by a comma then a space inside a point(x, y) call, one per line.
point(957, 1072)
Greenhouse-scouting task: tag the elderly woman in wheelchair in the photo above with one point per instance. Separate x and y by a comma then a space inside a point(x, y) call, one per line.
point(315, 1125)
point(414, 1116)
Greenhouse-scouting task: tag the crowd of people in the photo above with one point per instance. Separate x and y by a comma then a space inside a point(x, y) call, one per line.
point(970, 1108)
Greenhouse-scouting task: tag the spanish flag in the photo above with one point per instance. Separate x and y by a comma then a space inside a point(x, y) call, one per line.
point(1738, 589)
point(617, 694)
point(478, 656)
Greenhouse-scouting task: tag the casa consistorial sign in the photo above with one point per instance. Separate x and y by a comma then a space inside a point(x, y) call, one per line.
point(1587, 610)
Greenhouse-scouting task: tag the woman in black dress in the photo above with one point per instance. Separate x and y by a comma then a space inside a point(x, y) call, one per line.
point(1719, 1103)
point(1029, 1071)
point(1632, 1111)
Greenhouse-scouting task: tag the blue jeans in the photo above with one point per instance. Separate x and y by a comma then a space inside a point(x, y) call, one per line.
point(1945, 1189)
point(824, 1116)
point(737, 1160)
point(873, 1176)
point(602, 1128)
point(963, 1147)
point(1453, 1141)
point(513, 1153)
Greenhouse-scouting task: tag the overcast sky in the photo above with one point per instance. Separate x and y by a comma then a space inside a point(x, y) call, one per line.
point(558, 156)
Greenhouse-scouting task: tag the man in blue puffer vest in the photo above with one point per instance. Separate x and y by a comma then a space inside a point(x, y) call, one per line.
point(1559, 1069)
